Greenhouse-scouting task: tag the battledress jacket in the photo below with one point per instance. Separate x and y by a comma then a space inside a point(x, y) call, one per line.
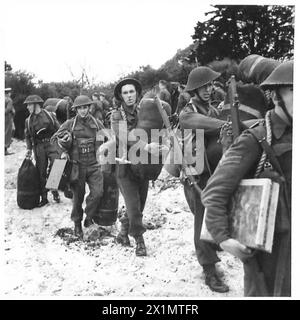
point(80, 129)
point(240, 162)
point(266, 274)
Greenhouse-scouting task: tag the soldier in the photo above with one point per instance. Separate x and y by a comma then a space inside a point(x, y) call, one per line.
point(106, 109)
point(133, 188)
point(96, 109)
point(79, 139)
point(104, 101)
point(183, 98)
point(9, 119)
point(265, 274)
point(200, 86)
point(39, 127)
point(164, 93)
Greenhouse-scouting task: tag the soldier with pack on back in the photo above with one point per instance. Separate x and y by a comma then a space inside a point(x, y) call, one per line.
point(39, 127)
point(263, 151)
point(200, 87)
point(79, 139)
point(133, 186)
point(96, 109)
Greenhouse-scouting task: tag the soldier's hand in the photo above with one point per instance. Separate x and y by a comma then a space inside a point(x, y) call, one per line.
point(236, 248)
point(65, 156)
point(28, 154)
point(156, 148)
point(102, 150)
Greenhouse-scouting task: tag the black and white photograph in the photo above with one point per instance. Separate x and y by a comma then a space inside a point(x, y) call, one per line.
point(148, 150)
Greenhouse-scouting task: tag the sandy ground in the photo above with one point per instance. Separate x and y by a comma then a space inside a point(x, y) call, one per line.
point(40, 263)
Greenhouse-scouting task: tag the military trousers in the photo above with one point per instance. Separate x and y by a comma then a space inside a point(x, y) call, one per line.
point(92, 175)
point(9, 126)
point(45, 154)
point(134, 191)
point(205, 251)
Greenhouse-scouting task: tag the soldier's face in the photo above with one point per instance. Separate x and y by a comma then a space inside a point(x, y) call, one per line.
point(83, 111)
point(205, 91)
point(129, 94)
point(286, 94)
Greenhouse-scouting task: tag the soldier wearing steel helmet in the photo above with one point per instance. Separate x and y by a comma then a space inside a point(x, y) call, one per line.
point(39, 127)
point(96, 109)
point(266, 274)
point(79, 139)
point(200, 87)
point(9, 120)
point(133, 188)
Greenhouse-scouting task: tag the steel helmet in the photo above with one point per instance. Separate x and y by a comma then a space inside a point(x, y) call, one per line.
point(33, 99)
point(255, 68)
point(199, 77)
point(281, 76)
point(82, 101)
point(118, 87)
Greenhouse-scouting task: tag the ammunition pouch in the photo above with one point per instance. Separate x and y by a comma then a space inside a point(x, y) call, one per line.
point(86, 146)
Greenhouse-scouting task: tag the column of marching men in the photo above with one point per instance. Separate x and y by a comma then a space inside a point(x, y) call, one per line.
point(77, 131)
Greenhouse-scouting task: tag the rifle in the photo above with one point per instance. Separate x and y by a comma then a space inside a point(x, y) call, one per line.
point(234, 108)
point(176, 146)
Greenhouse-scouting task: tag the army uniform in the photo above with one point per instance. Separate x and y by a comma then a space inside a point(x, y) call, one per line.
point(9, 124)
point(83, 133)
point(165, 95)
point(104, 101)
point(240, 161)
point(38, 130)
point(133, 188)
point(205, 251)
point(183, 100)
point(96, 110)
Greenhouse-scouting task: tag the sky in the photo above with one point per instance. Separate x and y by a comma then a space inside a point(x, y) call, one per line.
point(57, 39)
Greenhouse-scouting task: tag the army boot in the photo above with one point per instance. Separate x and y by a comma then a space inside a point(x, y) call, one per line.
point(44, 200)
point(78, 229)
point(212, 280)
point(122, 236)
point(140, 249)
point(56, 196)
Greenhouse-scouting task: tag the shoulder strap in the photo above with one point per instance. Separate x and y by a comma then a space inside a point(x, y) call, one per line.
point(261, 138)
point(73, 124)
point(95, 121)
point(29, 126)
point(50, 116)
